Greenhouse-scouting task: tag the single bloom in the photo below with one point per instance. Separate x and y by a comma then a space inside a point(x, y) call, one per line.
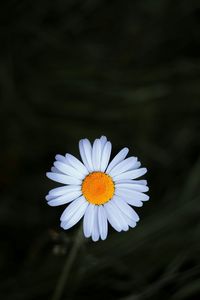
point(99, 191)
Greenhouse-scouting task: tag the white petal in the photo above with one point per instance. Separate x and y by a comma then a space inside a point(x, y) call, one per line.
point(60, 158)
point(83, 156)
point(55, 170)
point(95, 229)
point(133, 202)
point(71, 208)
point(126, 209)
point(112, 216)
point(96, 155)
point(76, 217)
point(117, 159)
point(137, 165)
point(63, 178)
point(105, 156)
point(76, 163)
point(76, 208)
point(88, 220)
point(128, 193)
point(131, 174)
point(131, 222)
point(120, 216)
point(86, 153)
point(120, 181)
point(103, 223)
point(67, 169)
point(66, 198)
point(49, 197)
point(64, 189)
point(132, 186)
point(103, 140)
point(123, 166)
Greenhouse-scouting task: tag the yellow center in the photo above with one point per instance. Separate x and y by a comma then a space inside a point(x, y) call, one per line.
point(98, 188)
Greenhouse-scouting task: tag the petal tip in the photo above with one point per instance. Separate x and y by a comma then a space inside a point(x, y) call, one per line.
point(48, 175)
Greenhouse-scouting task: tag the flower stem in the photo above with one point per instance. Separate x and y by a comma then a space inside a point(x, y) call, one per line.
point(67, 266)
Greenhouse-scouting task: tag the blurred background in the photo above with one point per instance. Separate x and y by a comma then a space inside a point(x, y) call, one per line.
point(129, 70)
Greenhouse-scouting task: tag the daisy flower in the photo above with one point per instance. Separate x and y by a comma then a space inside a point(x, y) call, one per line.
point(99, 191)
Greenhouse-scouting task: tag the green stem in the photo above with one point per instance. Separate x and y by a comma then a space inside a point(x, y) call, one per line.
point(67, 266)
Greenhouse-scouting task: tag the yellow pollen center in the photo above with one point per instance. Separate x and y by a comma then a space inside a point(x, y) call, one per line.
point(98, 188)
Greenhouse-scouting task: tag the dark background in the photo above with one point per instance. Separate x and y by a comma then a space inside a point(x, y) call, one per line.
point(129, 70)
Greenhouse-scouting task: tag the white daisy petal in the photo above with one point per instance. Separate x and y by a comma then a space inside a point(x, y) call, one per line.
point(64, 199)
point(120, 181)
point(60, 158)
point(126, 209)
point(73, 213)
point(68, 170)
point(131, 174)
point(64, 189)
point(137, 165)
point(55, 170)
point(131, 222)
point(88, 220)
point(135, 187)
point(49, 197)
point(83, 156)
point(103, 140)
point(75, 218)
point(76, 163)
point(128, 193)
point(112, 218)
point(63, 178)
point(71, 208)
point(117, 159)
point(121, 217)
point(133, 202)
point(95, 229)
point(96, 155)
point(105, 156)
point(123, 166)
point(86, 153)
point(103, 223)
point(144, 182)
point(131, 168)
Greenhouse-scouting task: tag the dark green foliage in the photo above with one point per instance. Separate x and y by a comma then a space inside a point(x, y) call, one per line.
point(126, 69)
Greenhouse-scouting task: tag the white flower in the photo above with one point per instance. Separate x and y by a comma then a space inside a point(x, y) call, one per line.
point(99, 191)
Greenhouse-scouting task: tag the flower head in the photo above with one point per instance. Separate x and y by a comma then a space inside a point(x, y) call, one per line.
point(99, 191)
